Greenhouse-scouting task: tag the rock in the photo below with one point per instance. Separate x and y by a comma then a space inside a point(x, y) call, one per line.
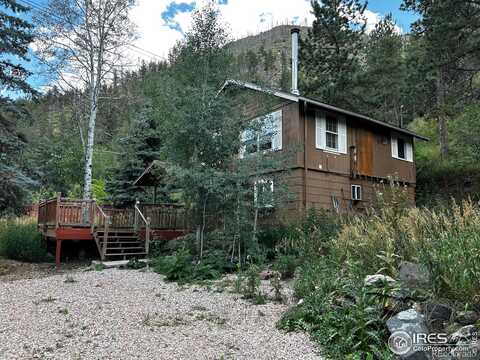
point(410, 322)
point(412, 274)
point(467, 317)
point(266, 274)
point(378, 280)
point(463, 334)
point(466, 350)
point(438, 311)
point(437, 315)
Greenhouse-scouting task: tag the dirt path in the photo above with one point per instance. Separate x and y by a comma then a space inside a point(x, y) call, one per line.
point(134, 314)
point(11, 270)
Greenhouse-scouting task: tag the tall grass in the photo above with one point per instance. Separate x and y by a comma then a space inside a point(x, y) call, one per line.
point(347, 318)
point(20, 240)
point(446, 241)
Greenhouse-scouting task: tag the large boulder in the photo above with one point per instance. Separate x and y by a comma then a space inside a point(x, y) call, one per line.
point(437, 314)
point(402, 327)
point(465, 333)
point(413, 274)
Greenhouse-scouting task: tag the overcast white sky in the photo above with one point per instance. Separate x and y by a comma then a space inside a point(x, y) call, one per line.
point(161, 22)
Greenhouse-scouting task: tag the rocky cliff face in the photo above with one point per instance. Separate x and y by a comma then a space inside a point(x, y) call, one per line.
point(266, 58)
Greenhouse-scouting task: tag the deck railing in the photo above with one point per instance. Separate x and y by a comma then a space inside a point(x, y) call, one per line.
point(64, 212)
point(47, 212)
point(165, 216)
point(58, 211)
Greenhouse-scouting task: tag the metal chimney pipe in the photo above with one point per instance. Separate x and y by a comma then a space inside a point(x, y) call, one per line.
point(295, 36)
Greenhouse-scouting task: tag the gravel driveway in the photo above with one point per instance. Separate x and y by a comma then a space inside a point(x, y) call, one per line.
point(134, 314)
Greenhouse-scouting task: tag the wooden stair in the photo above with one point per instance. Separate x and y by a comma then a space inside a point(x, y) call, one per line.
point(122, 244)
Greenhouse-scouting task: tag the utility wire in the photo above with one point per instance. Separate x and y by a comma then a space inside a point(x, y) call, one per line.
point(133, 47)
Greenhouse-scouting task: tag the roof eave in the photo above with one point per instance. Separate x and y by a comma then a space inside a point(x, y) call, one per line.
point(296, 98)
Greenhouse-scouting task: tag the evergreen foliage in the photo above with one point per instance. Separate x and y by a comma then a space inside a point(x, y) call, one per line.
point(140, 148)
point(329, 56)
point(384, 75)
point(449, 31)
point(15, 37)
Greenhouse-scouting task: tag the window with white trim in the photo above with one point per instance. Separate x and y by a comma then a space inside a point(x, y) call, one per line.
point(356, 192)
point(264, 134)
point(263, 193)
point(402, 148)
point(330, 133)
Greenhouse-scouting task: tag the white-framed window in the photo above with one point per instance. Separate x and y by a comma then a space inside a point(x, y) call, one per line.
point(356, 192)
point(263, 193)
point(330, 133)
point(402, 148)
point(264, 135)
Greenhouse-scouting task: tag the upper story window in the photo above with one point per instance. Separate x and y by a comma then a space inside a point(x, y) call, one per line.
point(265, 134)
point(402, 148)
point(331, 133)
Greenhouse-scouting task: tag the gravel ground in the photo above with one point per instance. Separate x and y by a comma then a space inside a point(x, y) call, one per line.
point(134, 314)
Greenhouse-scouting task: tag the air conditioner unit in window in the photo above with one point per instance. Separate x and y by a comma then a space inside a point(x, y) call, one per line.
point(356, 192)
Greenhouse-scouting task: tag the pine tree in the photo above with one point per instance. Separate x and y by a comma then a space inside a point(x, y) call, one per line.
point(329, 55)
point(449, 30)
point(15, 36)
point(384, 76)
point(140, 148)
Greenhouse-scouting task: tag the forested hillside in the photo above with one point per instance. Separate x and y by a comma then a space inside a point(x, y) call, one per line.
point(426, 80)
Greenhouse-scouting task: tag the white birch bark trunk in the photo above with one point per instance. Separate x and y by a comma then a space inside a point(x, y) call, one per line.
point(87, 175)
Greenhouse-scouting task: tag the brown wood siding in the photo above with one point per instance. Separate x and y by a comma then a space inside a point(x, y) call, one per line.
point(323, 186)
point(374, 153)
point(330, 174)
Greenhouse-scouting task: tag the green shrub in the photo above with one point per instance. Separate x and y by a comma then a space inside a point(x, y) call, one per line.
point(286, 266)
point(212, 266)
point(339, 313)
point(248, 284)
point(276, 284)
point(20, 240)
point(310, 238)
point(177, 267)
point(182, 268)
point(134, 264)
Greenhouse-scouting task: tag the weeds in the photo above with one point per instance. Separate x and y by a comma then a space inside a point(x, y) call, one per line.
point(63, 311)
point(135, 264)
point(437, 239)
point(20, 240)
point(285, 265)
point(276, 284)
point(181, 267)
point(69, 280)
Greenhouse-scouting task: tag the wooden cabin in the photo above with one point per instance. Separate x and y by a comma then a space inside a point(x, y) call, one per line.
point(340, 156)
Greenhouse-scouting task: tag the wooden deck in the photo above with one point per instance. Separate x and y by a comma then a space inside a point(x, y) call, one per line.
point(118, 233)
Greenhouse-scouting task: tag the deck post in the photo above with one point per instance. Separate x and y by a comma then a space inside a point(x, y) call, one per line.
point(58, 253)
point(147, 236)
point(105, 237)
point(57, 210)
point(92, 215)
point(135, 221)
